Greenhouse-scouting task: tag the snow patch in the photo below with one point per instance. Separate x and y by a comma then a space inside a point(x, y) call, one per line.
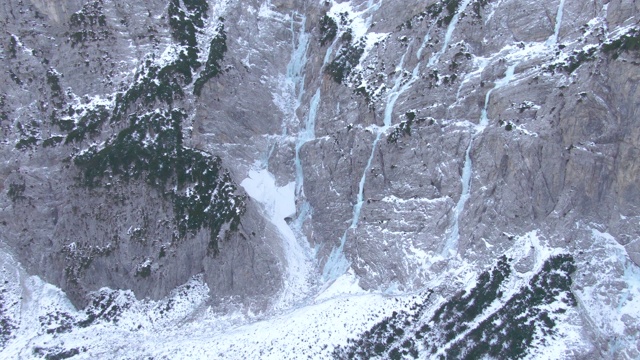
point(279, 205)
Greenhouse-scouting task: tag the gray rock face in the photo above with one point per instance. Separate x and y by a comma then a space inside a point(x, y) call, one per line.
point(122, 234)
point(418, 136)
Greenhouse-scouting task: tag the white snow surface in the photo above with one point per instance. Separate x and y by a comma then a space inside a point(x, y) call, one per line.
point(190, 329)
point(184, 326)
point(278, 203)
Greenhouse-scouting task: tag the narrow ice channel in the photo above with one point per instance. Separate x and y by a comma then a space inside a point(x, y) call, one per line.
point(304, 136)
point(279, 202)
point(447, 37)
point(451, 245)
point(295, 68)
point(553, 39)
point(337, 263)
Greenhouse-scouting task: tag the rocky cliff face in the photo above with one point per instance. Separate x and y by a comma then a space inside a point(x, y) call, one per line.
point(273, 147)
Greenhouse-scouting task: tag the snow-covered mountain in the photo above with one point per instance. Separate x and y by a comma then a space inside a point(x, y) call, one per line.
point(290, 179)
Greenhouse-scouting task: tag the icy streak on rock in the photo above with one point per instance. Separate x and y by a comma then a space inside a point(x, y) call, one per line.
point(299, 254)
point(447, 37)
point(295, 68)
point(280, 202)
point(305, 135)
point(298, 63)
point(494, 6)
point(451, 245)
point(481, 64)
point(296, 76)
point(426, 39)
point(337, 264)
point(553, 39)
point(291, 86)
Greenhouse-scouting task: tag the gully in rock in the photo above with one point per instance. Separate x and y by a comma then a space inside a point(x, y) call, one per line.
point(451, 244)
point(337, 263)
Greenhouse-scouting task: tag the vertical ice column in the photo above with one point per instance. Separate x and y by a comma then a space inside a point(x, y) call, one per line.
point(553, 39)
point(279, 202)
point(451, 245)
point(308, 133)
point(337, 264)
point(293, 84)
point(305, 135)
